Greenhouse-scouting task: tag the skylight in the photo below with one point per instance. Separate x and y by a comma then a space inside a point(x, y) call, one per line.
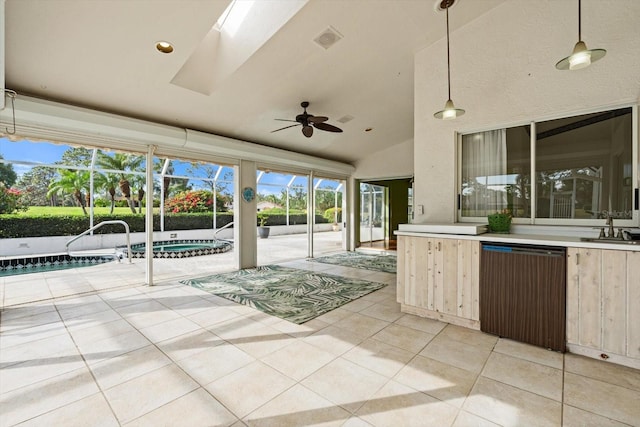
point(233, 16)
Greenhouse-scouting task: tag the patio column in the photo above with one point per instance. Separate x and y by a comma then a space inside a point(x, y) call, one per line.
point(244, 216)
point(149, 217)
point(311, 213)
point(352, 223)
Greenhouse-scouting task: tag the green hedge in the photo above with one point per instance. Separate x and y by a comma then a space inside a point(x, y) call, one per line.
point(14, 226)
point(293, 219)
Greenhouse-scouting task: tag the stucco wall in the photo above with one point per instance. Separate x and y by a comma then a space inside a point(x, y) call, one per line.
point(393, 162)
point(503, 74)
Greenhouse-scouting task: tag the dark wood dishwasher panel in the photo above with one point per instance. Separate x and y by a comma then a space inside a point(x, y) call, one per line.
point(523, 294)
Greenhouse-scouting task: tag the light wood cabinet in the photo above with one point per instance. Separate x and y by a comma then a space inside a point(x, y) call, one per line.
point(438, 278)
point(603, 304)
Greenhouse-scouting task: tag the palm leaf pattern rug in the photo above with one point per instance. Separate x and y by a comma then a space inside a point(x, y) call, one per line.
point(291, 294)
point(385, 263)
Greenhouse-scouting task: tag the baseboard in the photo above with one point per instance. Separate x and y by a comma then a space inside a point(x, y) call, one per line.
point(443, 317)
point(598, 354)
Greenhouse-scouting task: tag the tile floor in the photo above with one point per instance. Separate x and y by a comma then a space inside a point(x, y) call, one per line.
point(171, 355)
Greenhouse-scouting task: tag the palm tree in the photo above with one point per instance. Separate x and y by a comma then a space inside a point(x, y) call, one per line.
point(122, 162)
point(166, 180)
point(139, 182)
point(108, 182)
point(71, 182)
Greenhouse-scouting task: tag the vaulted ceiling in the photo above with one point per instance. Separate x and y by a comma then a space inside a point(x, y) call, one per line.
point(236, 82)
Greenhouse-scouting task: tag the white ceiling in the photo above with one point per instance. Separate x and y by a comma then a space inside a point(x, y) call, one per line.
point(101, 54)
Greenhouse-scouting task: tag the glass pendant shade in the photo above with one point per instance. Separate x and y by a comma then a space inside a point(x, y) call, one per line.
point(449, 112)
point(581, 57)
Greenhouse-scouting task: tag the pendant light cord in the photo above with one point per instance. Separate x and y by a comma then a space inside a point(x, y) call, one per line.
point(579, 21)
point(448, 60)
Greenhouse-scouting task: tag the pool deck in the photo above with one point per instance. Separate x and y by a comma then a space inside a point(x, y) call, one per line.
point(26, 288)
point(97, 347)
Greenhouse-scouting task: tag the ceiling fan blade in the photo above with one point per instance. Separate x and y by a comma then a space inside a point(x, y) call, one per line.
point(286, 120)
point(286, 127)
point(327, 127)
point(307, 131)
point(317, 119)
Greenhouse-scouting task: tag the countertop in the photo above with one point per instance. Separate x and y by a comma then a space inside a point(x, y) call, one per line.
point(527, 239)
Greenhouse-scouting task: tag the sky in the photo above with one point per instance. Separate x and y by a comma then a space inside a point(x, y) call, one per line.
point(49, 153)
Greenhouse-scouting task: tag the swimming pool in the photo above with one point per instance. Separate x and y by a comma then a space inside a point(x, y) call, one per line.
point(182, 248)
point(44, 263)
point(163, 249)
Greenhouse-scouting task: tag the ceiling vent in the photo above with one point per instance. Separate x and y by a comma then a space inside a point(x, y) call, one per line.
point(328, 38)
point(345, 119)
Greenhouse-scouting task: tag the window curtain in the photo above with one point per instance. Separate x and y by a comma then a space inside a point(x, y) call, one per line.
point(484, 166)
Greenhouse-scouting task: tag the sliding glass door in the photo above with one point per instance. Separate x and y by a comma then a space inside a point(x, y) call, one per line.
point(373, 213)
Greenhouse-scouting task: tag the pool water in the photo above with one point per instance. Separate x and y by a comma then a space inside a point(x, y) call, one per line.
point(176, 247)
point(165, 249)
point(42, 264)
point(182, 248)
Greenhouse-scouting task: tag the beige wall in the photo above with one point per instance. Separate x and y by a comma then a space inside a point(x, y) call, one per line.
point(503, 74)
point(393, 162)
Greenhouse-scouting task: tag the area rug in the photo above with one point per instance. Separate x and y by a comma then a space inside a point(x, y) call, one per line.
point(385, 263)
point(291, 294)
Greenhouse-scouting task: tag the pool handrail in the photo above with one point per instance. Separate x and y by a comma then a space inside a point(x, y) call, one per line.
point(215, 234)
point(95, 227)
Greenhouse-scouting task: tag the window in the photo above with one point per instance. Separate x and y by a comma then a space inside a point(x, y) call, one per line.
point(496, 172)
point(582, 170)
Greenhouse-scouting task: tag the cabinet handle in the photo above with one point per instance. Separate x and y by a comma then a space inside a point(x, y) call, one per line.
point(439, 246)
point(577, 259)
point(429, 245)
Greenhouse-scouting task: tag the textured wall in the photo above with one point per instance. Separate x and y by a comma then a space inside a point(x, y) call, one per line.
point(503, 74)
point(393, 162)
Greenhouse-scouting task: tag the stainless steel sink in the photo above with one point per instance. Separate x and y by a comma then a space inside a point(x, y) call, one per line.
point(608, 240)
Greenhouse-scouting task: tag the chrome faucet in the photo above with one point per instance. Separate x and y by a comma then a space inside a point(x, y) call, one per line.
point(611, 233)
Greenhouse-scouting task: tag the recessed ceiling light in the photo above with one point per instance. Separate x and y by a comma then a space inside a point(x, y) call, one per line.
point(164, 47)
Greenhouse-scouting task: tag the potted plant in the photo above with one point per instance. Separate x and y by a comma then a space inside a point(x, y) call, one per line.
point(500, 222)
point(263, 230)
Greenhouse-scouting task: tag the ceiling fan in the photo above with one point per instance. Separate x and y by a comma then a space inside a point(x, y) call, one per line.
point(308, 122)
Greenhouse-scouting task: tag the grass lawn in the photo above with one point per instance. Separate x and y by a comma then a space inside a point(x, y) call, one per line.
point(40, 211)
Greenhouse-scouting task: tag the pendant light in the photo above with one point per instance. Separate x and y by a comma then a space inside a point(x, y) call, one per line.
point(450, 111)
point(581, 57)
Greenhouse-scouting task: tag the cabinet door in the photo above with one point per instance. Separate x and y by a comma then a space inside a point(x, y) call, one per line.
point(599, 291)
point(412, 276)
point(430, 277)
point(573, 296)
point(401, 268)
point(468, 278)
point(614, 301)
point(439, 275)
point(456, 277)
point(450, 257)
point(633, 304)
point(584, 293)
point(437, 262)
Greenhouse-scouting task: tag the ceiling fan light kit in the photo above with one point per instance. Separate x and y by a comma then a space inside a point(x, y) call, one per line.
point(450, 111)
point(581, 57)
point(308, 122)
